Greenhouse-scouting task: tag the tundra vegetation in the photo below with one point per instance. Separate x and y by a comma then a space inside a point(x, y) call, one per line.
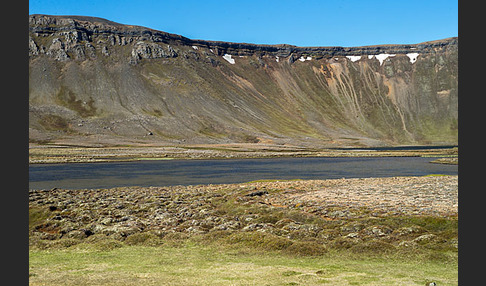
point(375, 231)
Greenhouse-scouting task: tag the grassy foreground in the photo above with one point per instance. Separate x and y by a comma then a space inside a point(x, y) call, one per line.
point(194, 264)
point(371, 231)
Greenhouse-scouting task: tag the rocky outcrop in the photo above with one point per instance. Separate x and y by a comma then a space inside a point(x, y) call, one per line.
point(139, 81)
point(77, 29)
point(143, 50)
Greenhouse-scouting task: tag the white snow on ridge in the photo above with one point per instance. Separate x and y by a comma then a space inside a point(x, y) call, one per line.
point(370, 57)
point(354, 58)
point(276, 58)
point(302, 59)
point(194, 47)
point(413, 57)
point(383, 57)
point(229, 59)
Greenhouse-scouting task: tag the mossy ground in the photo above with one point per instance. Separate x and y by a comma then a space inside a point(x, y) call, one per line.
point(239, 235)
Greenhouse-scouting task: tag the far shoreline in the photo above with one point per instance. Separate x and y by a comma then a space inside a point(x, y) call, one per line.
point(55, 154)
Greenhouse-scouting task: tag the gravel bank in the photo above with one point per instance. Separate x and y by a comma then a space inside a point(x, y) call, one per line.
point(39, 154)
point(434, 195)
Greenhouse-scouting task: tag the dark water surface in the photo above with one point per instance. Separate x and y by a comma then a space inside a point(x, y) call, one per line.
point(194, 172)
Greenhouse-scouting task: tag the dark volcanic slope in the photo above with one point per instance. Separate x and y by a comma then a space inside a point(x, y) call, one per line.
point(97, 81)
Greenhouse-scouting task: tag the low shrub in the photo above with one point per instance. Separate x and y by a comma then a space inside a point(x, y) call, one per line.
point(306, 248)
point(101, 242)
point(176, 236)
point(106, 245)
point(144, 239)
point(65, 243)
point(211, 237)
point(38, 216)
point(343, 243)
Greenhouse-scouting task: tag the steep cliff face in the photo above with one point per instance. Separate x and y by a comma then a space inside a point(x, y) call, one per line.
point(95, 80)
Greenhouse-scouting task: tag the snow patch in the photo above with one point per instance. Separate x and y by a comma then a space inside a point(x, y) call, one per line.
point(354, 58)
point(229, 59)
point(370, 56)
point(276, 58)
point(383, 57)
point(413, 57)
point(194, 47)
point(302, 59)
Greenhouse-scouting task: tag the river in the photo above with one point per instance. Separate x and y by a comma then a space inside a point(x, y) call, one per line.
point(195, 172)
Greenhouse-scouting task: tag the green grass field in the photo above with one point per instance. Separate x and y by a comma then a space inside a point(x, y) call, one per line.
point(195, 264)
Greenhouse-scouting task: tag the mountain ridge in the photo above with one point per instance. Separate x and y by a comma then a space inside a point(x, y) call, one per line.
point(34, 19)
point(94, 80)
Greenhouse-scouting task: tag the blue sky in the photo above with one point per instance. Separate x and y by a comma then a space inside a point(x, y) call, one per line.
point(298, 22)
